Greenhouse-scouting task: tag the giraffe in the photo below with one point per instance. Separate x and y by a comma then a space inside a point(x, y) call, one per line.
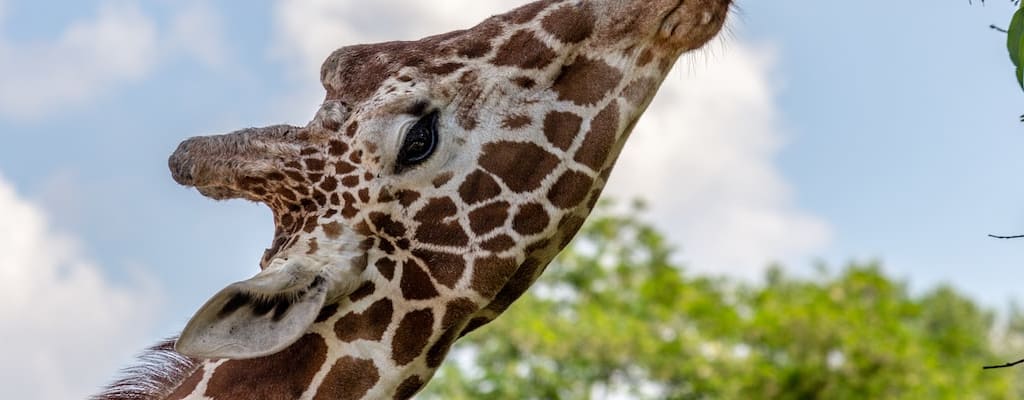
point(431, 189)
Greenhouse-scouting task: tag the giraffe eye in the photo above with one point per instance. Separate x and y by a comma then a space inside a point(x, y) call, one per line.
point(419, 142)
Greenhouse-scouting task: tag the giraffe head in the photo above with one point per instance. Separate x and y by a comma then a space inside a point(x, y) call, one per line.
point(439, 175)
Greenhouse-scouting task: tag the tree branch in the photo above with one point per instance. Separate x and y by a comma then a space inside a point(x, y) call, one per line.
point(1006, 237)
point(1007, 365)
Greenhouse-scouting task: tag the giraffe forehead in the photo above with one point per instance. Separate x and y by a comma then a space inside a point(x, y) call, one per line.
point(515, 39)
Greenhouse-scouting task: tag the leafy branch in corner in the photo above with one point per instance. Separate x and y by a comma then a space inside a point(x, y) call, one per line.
point(1014, 41)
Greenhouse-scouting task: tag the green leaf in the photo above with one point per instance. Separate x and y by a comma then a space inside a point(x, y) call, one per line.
point(1014, 36)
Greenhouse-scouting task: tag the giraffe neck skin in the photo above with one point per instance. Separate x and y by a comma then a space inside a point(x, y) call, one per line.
point(533, 107)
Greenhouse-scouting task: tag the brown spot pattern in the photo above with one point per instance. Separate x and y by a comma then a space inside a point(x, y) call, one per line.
point(479, 43)
point(531, 219)
point(586, 81)
point(442, 179)
point(367, 325)
point(516, 286)
point(326, 313)
point(522, 166)
point(416, 284)
point(489, 217)
point(561, 128)
point(571, 225)
point(386, 266)
point(343, 167)
point(364, 290)
point(336, 148)
point(457, 310)
point(332, 230)
point(478, 186)
point(601, 138)
point(491, 273)
point(411, 336)
point(525, 51)
point(314, 164)
point(434, 229)
point(409, 387)
point(446, 268)
point(498, 244)
point(387, 225)
point(571, 23)
point(437, 351)
point(285, 375)
point(407, 197)
point(570, 190)
point(349, 379)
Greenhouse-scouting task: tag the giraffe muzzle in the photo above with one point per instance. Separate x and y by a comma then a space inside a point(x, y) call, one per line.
point(225, 166)
point(694, 22)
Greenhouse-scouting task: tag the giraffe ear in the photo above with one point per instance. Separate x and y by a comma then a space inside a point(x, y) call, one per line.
point(257, 317)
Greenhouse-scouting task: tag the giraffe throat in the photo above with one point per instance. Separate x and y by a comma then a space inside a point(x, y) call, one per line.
point(431, 189)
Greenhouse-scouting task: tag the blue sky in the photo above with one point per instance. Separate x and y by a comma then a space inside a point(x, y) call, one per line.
point(817, 131)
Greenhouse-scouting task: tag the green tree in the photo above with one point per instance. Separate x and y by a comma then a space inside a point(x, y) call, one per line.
point(615, 315)
point(1015, 43)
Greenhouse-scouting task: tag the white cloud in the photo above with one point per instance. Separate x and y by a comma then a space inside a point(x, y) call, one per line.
point(119, 45)
point(196, 30)
point(703, 155)
point(66, 329)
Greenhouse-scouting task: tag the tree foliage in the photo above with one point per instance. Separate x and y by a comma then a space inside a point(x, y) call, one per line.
point(616, 317)
point(1015, 43)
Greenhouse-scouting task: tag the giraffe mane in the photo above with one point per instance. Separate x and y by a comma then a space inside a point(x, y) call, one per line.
point(159, 370)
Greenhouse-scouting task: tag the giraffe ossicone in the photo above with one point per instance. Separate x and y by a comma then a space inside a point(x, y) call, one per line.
point(431, 189)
